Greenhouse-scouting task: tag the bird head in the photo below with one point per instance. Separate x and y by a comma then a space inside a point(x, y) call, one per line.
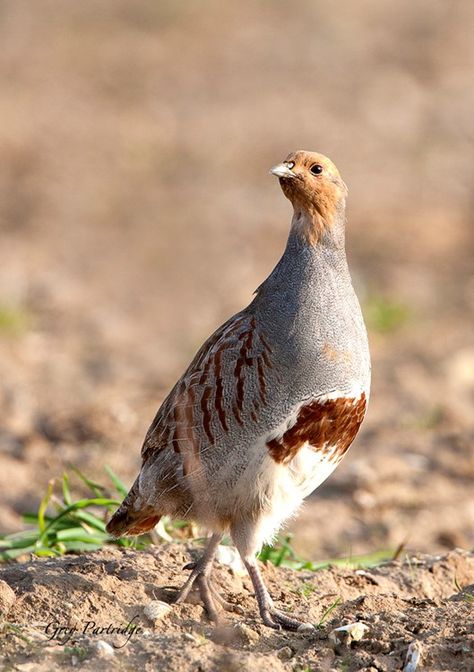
point(315, 188)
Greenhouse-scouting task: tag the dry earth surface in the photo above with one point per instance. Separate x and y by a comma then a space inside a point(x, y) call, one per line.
point(136, 214)
point(417, 603)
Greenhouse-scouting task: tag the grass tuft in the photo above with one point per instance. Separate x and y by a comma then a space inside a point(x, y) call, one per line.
point(282, 554)
point(467, 597)
point(64, 525)
point(8, 628)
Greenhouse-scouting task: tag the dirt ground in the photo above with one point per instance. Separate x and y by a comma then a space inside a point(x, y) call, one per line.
point(133, 224)
point(137, 213)
point(417, 603)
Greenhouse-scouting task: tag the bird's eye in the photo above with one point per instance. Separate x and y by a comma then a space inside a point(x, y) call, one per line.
point(290, 164)
point(316, 169)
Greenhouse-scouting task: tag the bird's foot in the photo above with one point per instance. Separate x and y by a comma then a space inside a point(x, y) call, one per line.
point(210, 596)
point(272, 617)
point(276, 619)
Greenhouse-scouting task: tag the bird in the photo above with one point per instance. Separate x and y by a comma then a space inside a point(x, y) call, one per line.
point(270, 403)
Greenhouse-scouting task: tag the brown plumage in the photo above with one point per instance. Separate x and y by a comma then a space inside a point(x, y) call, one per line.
point(326, 426)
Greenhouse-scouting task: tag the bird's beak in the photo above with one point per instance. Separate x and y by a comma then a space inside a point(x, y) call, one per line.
point(282, 171)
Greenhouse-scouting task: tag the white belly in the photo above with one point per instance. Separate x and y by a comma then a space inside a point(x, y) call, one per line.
point(309, 468)
point(291, 483)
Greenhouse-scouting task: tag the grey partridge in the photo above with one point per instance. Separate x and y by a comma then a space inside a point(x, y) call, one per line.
point(270, 403)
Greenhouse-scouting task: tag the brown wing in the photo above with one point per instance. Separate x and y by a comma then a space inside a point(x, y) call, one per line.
point(211, 393)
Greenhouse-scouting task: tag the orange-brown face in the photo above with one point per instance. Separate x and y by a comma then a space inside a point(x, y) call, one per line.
point(311, 181)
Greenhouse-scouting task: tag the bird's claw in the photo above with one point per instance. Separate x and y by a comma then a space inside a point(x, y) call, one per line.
point(278, 620)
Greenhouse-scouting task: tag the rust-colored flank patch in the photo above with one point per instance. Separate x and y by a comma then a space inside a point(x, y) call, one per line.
point(144, 525)
point(328, 426)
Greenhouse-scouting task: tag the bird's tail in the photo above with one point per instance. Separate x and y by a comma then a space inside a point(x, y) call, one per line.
point(130, 518)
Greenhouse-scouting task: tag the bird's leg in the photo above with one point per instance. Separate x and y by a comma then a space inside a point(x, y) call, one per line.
point(200, 575)
point(272, 617)
point(200, 572)
point(248, 534)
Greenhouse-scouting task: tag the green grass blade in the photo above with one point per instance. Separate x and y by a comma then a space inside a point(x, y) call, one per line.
point(90, 519)
point(265, 553)
point(20, 541)
point(47, 552)
point(285, 551)
point(95, 487)
point(119, 485)
point(80, 504)
point(43, 506)
point(18, 537)
point(77, 534)
point(83, 546)
point(32, 518)
point(13, 553)
point(66, 491)
point(328, 611)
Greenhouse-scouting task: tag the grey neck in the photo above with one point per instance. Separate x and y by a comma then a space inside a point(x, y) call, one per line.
point(308, 304)
point(302, 264)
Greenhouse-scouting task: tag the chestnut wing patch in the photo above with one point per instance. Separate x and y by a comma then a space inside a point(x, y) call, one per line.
point(327, 426)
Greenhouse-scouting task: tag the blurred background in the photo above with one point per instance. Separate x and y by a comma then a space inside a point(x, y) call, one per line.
point(137, 213)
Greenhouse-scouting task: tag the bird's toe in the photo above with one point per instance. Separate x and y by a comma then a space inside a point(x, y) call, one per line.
point(277, 619)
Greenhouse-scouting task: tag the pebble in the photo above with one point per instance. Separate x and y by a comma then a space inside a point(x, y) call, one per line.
point(413, 657)
point(103, 648)
point(156, 610)
point(345, 634)
point(285, 653)
point(7, 598)
point(246, 634)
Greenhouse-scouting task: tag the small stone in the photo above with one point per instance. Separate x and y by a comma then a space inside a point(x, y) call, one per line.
point(7, 598)
point(246, 634)
point(156, 610)
point(357, 630)
point(103, 648)
point(285, 653)
point(306, 629)
point(346, 634)
point(413, 657)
